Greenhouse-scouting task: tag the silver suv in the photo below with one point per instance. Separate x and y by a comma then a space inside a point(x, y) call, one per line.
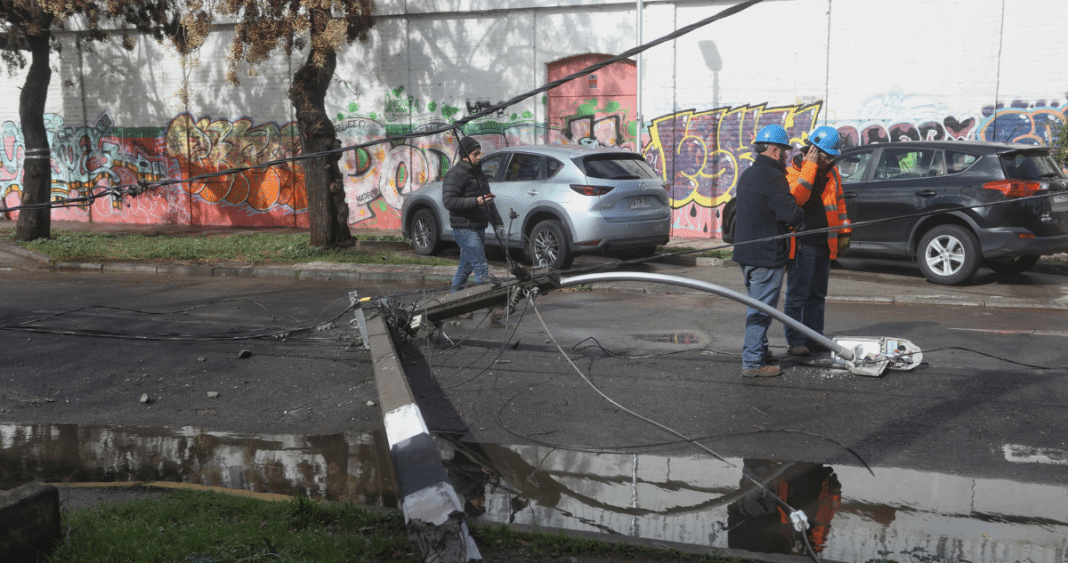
point(567, 200)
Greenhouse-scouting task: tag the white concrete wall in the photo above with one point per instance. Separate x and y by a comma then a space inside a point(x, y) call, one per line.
point(872, 68)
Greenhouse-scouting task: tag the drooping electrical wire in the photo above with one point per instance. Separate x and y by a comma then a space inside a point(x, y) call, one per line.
point(180, 337)
point(797, 517)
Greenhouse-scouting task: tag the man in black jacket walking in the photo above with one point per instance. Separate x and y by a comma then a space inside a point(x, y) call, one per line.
point(764, 208)
point(466, 194)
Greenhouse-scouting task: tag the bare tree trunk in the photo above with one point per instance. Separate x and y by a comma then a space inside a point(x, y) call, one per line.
point(37, 166)
point(327, 210)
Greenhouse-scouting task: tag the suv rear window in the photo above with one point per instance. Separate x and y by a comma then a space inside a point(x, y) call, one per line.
point(1033, 166)
point(620, 166)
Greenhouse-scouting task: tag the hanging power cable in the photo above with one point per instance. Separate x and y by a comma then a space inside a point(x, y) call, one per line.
point(797, 517)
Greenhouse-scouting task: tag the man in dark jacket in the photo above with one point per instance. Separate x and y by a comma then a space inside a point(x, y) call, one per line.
point(764, 208)
point(466, 194)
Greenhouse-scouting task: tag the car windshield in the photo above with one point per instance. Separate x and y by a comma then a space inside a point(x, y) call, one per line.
point(620, 166)
point(1031, 166)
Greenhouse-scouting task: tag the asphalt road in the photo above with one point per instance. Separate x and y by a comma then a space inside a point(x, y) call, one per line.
point(257, 383)
point(82, 349)
point(988, 379)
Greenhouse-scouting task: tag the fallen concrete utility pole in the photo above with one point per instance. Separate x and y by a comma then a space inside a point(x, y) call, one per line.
point(432, 510)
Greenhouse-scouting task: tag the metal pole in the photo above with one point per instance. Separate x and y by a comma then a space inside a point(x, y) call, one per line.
point(638, 100)
point(841, 351)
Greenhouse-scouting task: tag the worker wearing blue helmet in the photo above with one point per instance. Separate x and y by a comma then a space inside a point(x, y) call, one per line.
point(764, 209)
point(817, 187)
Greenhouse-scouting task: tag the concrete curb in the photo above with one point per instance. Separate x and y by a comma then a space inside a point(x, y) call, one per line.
point(441, 276)
point(432, 510)
point(29, 522)
point(19, 251)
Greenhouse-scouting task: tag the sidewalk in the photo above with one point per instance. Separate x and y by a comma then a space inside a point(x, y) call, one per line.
point(847, 286)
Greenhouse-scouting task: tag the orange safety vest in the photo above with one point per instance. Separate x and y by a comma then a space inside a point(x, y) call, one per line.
point(802, 181)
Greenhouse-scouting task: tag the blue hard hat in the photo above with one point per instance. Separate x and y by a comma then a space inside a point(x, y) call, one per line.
point(826, 138)
point(773, 134)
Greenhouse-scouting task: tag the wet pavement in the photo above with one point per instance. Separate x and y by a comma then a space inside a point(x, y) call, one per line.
point(856, 514)
point(852, 279)
point(668, 495)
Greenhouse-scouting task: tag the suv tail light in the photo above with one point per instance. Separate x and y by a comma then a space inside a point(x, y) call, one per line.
point(1015, 188)
point(591, 190)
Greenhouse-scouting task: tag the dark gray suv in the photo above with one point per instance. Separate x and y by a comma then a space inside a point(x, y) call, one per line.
point(1007, 234)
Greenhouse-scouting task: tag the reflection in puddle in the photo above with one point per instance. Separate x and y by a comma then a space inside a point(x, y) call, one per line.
point(695, 500)
point(686, 338)
point(338, 467)
point(684, 499)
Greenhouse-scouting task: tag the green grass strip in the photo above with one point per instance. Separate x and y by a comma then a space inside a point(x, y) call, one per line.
point(210, 527)
point(249, 248)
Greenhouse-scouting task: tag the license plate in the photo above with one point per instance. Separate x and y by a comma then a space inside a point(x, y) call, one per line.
point(1060, 202)
point(639, 202)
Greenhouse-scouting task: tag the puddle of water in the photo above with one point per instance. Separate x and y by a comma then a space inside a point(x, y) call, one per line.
point(685, 338)
point(696, 500)
point(687, 499)
point(350, 467)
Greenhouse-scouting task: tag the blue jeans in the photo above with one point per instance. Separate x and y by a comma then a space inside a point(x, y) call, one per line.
point(472, 257)
point(764, 285)
point(806, 290)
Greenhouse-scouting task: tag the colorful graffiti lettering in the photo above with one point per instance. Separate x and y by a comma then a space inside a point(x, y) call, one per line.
point(702, 154)
point(949, 129)
point(1022, 123)
point(96, 156)
point(206, 146)
point(595, 125)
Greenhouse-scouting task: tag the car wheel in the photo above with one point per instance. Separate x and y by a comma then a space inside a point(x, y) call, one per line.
point(426, 236)
point(548, 246)
point(727, 226)
point(1013, 265)
point(948, 255)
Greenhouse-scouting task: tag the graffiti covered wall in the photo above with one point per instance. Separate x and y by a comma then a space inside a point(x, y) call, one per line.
point(703, 102)
point(700, 153)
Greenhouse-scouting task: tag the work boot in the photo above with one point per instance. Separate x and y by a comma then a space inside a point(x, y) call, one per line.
point(765, 371)
point(798, 351)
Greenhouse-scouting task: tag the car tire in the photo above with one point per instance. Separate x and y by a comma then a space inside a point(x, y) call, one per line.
point(948, 255)
point(727, 225)
point(426, 234)
point(548, 244)
point(1013, 265)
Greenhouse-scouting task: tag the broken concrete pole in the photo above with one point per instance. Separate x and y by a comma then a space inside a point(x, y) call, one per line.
point(433, 512)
